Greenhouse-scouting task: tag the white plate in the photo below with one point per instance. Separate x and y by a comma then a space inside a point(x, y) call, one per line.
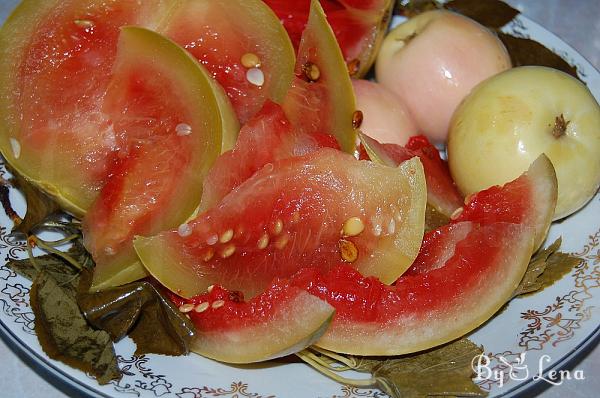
point(556, 323)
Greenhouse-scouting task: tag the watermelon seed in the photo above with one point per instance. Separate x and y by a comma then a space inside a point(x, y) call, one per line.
point(109, 251)
point(184, 230)
point(83, 23)
point(226, 236)
point(282, 241)
point(277, 227)
point(250, 60)
point(228, 251)
point(202, 307)
point(187, 307)
point(210, 288)
point(348, 250)
point(456, 213)
point(377, 229)
point(16, 148)
point(353, 67)
point(208, 255)
point(311, 71)
point(255, 76)
point(183, 129)
point(468, 198)
point(263, 242)
point(357, 119)
point(218, 304)
point(211, 240)
point(352, 226)
point(392, 226)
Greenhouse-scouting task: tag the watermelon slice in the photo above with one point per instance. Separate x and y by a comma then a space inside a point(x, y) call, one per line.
point(281, 321)
point(453, 291)
point(442, 193)
point(530, 200)
point(266, 138)
point(321, 100)
point(61, 54)
point(314, 210)
point(156, 135)
point(359, 26)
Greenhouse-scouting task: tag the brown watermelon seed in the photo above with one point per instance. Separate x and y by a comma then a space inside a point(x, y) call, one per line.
point(311, 71)
point(353, 67)
point(357, 119)
point(348, 251)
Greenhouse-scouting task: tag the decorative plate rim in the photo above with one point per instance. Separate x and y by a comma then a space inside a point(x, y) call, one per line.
point(63, 380)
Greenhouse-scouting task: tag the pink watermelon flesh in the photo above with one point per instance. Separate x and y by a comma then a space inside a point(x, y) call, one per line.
point(529, 199)
point(289, 215)
point(430, 306)
point(442, 193)
point(281, 321)
point(266, 138)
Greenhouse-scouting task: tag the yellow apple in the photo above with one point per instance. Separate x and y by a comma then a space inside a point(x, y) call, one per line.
point(432, 61)
point(510, 119)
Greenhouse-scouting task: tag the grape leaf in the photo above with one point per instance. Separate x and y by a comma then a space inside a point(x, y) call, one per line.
point(39, 205)
point(63, 331)
point(140, 310)
point(525, 51)
point(443, 371)
point(546, 267)
point(411, 8)
point(491, 13)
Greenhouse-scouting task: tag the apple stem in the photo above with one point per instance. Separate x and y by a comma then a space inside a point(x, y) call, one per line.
point(560, 126)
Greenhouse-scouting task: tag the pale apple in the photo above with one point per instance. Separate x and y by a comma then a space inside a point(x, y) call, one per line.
point(385, 117)
point(510, 119)
point(432, 61)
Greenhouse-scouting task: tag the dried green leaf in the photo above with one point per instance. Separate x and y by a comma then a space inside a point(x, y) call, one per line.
point(445, 370)
point(434, 219)
point(140, 310)
point(525, 51)
point(546, 267)
point(491, 13)
point(39, 205)
point(411, 8)
point(55, 265)
point(63, 332)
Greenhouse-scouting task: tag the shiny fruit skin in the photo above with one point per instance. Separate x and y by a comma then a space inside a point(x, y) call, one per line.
point(512, 118)
point(432, 61)
point(385, 117)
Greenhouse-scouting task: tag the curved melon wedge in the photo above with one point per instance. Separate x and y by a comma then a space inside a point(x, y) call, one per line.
point(459, 291)
point(57, 61)
point(314, 210)
point(321, 99)
point(530, 200)
point(167, 144)
point(281, 321)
